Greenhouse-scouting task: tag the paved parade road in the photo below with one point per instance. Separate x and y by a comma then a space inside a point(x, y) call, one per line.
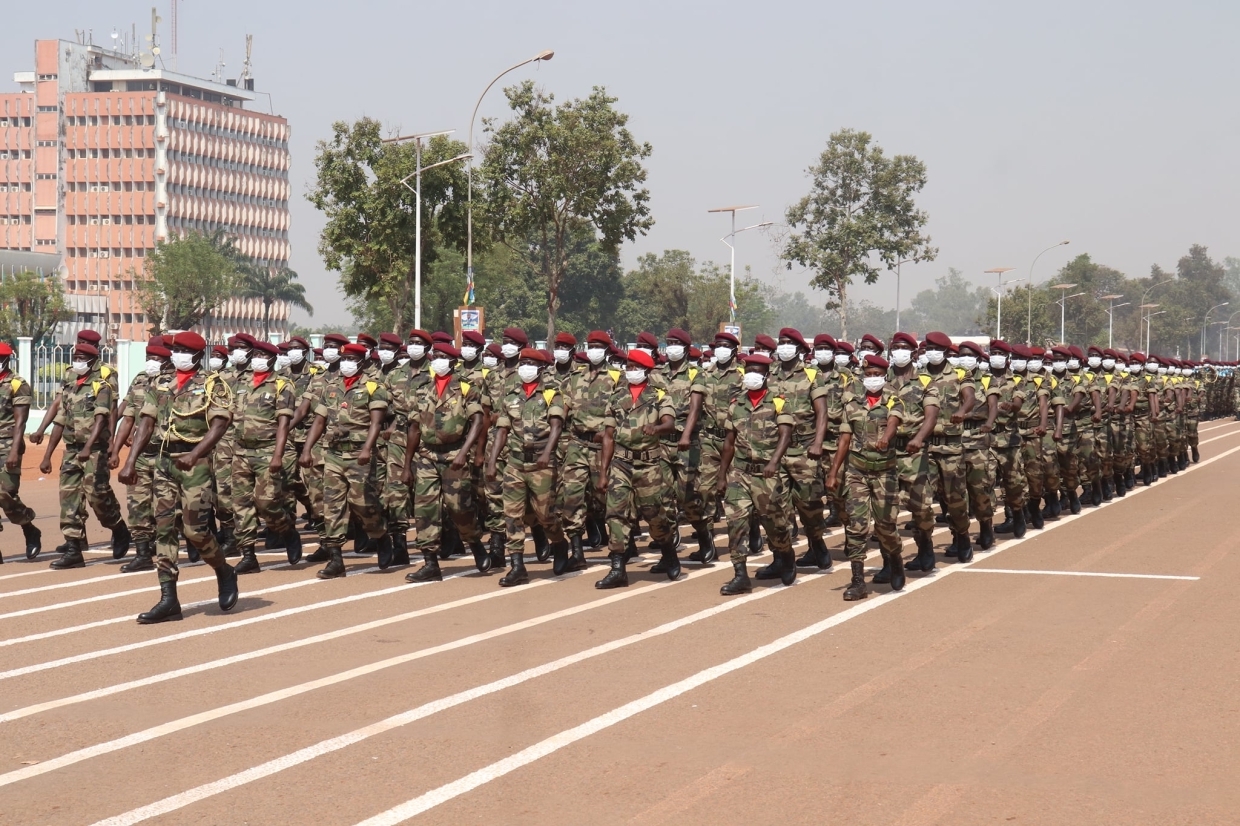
point(1087, 674)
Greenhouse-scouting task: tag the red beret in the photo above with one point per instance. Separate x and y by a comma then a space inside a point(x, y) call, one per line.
point(89, 336)
point(764, 341)
point(1137, 357)
point(495, 350)
point(318, 351)
point(694, 353)
point(756, 358)
point(872, 360)
point(824, 340)
point(906, 339)
point(285, 346)
point(422, 334)
point(721, 336)
point(845, 347)
point(870, 338)
point(234, 341)
point(581, 357)
point(647, 340)
point(158, 350)
point(971, 346)
point(473, 337)
point(392, 339)
point(639, 357)
point(953, 349)
point(1021, 351)
point(1062, 352)
point(267, 347)
point(219, 349)
point(354, 350)
point(157, 341)
point(1111, 354)
point(677, 334)
point(794, 334)
point(335, 338)
point(567, 339)
point(447, 349)
point(615, 352)
point(536, 355)
point(1094, 351)
point(190, 340)
point(5, 349)
point(247, 338)
point(440, 335)
point(1037, 351)
point(999, 346)
point(598, 337)
point(1076, 352)
point(367, 339)
point(300, 342)
point(937, 339)
point(516, 334)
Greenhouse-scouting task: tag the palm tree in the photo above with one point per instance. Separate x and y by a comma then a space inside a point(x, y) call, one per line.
point(272, 285)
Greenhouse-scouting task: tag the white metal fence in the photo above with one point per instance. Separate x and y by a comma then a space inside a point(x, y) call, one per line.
point(49, 364)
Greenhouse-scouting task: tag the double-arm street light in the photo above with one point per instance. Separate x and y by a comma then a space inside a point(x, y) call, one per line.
point(729, 239)
point(1205, 323)
point(1222, 333)
point(1149, 322)
point(1111, 316)
point(998, 291)
point(1029, 319)
point(543, 56)
point(1063, 303)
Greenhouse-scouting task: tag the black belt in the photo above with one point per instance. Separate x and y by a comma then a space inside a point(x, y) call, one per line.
point(442, 448)
point(757, 468)
point(898, 442)
point(586, 437)
point(652, 455)
point(256, 445)
point(942, 439)
point(177, 447)
point(714, 432)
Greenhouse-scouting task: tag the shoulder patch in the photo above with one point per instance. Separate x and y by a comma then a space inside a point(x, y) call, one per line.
point(960, 373)
point(105, 371)
point(924, 379)
point(96, 385)
point(280, 385)
point(464, 388)
point(548, 395)
point(693, 373)
point(779, 404)
point(812, 372)
point(660, 394)
point(891, 403)
point(16, 383)
point(371, 387)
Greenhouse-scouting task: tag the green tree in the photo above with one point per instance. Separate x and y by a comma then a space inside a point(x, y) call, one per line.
point(272, 285)
point(186, 278)
point(369, 236)
point(554, 171)
point(31, 305)
point(859, 208)
point(955, 306)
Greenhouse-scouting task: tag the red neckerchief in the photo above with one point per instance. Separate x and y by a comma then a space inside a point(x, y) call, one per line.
point(184, 376)
point(635, 390)
point(349, 381)
point(529, 388)
point(756, 397)
point(441, 384)
point(259, 378)
point(82, 379)
point(870, 401)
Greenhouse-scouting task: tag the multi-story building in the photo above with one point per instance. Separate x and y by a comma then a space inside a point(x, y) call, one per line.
point(101, 158)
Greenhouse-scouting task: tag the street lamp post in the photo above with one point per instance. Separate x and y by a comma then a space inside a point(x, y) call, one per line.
point(417, 220)
point(898, 264)
point(999, 271)
point(1111, 316)
point(1222, 351)
point(544, 55)
point(1063, 303)
point(1029, 319)
point(1205, 323)
point(732, 281)
point(1149, 323)
point(1145, 311)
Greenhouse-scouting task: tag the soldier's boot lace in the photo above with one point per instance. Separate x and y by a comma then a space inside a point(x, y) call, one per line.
point(226, 586)
point(321, 554)
point(738, 584)
point(143, 560)
point(429, 572)
point(72, 557)
point(856, 589)
point(773, 570)
point(34, 540)
point(121, 540)
point(249, 562)
point(617, 577)
point(168, 607)
point(516, 571)
point(335, 565)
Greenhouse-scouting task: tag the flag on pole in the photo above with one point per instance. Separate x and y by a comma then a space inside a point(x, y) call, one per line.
point(468, 300)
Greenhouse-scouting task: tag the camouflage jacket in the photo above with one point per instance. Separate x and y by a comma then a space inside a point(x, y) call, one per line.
point(528, 418)
point(678, 383)
point(346, 410)
point(839, 386)
point(628, 417)
point(257, 410)
point(82, 398)
point(135, 396)
point(757, 427)
point(947, 385)
point(1030, 416)
point(185, 413)
point(984, 386)
point(800, 387)
point(718, 387)
point(916, 392)
point(444, 418)
point(14, 392)
point(867, 423)
point(588, 395)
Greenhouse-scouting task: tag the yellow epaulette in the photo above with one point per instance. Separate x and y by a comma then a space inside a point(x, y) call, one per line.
point(548, 395)
point(659, 394)
point(105, 371)
point(1054, 383)
point(485, 371)
point(464, 388)
point(96, 385)
point(1016, 380)
point(960, 373)
point(692, 373)
point(1108, 377)
point(615, 375)
point(280, 385)
point(986, 382)
point(1037, 380)
point(891, 403)
point(15, 383)
point(779, 404)
point(924, 379)
point(812, 373)
point(371, 387)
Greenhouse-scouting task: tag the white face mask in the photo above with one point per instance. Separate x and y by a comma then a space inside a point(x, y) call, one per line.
point(1074, 364)
point(901, 357)
point(935, 357)
point(215, 362)
point(260, 365)
point(635, 376)
point(153, 367)
point(983, 367)
point(1059, 366)
point(296, 355)
point(824, 357)
point(1108, 364)
point(81, 367)
point(1162, 371)
point(675, 352)
point(645, 350)
point(874, 384)
point(1151, 368)
point(349, 368)
point(331, 354)
point(1123, 369)
point(183, 361)
point(416, 351)
point(386, 356)
point(1190, 372)
point(724, 354)
point(954, 361)
point(321, 364)
point(440, 367)
point(753, 381)
point(1036, 365)
point(528, 373)
point(469, 353)
point(509, 350)
point(842, 360)
point(786, 352)
point(998, 362)
point(922, 361)
point(596, 355)
point(562, 356)
point(490, 361)
point(968, 362)
point(238, 356)
point(758, 351)
point(1094, 362)
point(282, 362)
point(1019, 365)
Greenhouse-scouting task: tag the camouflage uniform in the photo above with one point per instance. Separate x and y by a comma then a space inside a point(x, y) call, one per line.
point(1052, 478)
point(678, 384)
point(526, 487)
point(1143, 385)
point(183, 416)
point(496, 386)
point(14, 392)
point(1027, 421)
point(718, 386)
point(402, 385)
point(839, 384)
point(588, 394)
point(315, 475)
point(349, 488)
point(81, 400)
point(639, 478)
point(443, 420)
point(1110, 389)
point(222, 456)
point(916, 393)
point(1088, 432)
point(297, 438)
point(979, 463)
point(141, 494)
point(947, 472)
point(749, 493)
point(871, 477)
point(1006, 442)
point(802, 475)
point(256, 491)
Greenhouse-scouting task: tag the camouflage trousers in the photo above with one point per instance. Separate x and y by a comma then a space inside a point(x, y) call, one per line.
point(913, 476)
point(140, 498)
point(82, 482)
point(803, 481)
point(10, 487)
point(495, 492)
point(350, 489)
point(1143, 429)
point(529, 490)
point(979, 478)
point(1069, 462)
point(1010, 462)
point(1105, 451)
point(1087, 459)
point(221, 466)
point(641, 488)
point(259, 493)
point(184, 502)
point(1050, 464)
point(873, 501)
point(313, 477)
point(440, 491)
point(709, 459)
point(1191, 422)
point(686, 483)
point(297, 484)
point(947, 476)
point(835, 498)
point(751, 494)
point(1161, 441)
point(1034, 466)
point(393, 493)
point(1120, 431)
point(1175, 435)
point(578, 496)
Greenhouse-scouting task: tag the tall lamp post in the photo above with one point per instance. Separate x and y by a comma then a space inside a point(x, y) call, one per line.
point(1029, 319)
point(999, 271)
point(544, 55)
point(898, 265)
point(1063, 302)
point(1111, 316)
point(1222, 336)
point(732, 282)
point(1205, 324)
point(1149, 323)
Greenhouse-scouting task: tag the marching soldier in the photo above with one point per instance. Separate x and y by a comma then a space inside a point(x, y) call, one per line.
point(975, 441)
point(301, 373)
point(15, 395)
point(328, 364)
point(678, 380)
point(588, 394)
point(494, 389)
point(1006, 441)
point(1031, 423)
point(235, 373)
point(919, 397)
point(565, 367)
point(947, 470)
point(187, 414)
point(394, 493)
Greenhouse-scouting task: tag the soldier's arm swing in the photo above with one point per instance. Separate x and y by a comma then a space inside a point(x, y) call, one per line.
point(1154, 407)
point(48, 418)
point(1044, 409)
point(219, 426)
point(666, 425)
point(13, 462)
point(927, 427)
point(837, 461)
point(691, 420)
point(992, 413)
point(302, 411)
point(967, 399)
point(1059, 415)
point(413, 440)
point(781, 447)
point(96, 430)
point(46, 465)
point(316, 430)
point(277, 457)
point(544, 458)
point(605, 453)
point(501, 439)
point(462, 455)
point(122, 435)
point(146, 426)
point(820, 427)
point(1096, 398)
point(725, 461)
point(372, 436)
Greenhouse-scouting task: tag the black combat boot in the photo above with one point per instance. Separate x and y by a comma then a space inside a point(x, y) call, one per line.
point(617, 577)
point(924, 561)
point(498, 541)
point(335, 565)
point(1049, 512)
point(168, 607)
point(833, 518)
point(516, 571)
point(630, 547)
point(1130, 478)
point(482, 559)
point(449, 540)
point(816, 556)
point(1108, 492)
point(72, 557)
point(227, 539)
point(788, 566)
point(1184, 459)
point(249, 562)
point(669, 560)
point(429, 572)
point(321, 554)
point(383, 545)
point(1074, 502)
point(1161, 467)
point(121, 540)
point(273, 542)
point(1120, 485)
point(143, 560)
point(34, 540)
point(1096, 498)
point(883, 576)
point(985, 538)
point(964, 547)
point(226, 586)
point(705, 536)
point(1196, 454)
point(1035, 514)
point(542, 548)
point(559, 557)
point(576, 556)
point(755, 536)
point(739, 584)
point(773, 570)
point(1018, 523)
point(897, 572)
point(856, 589)
point(596, 534)
point(1006, 525)
point(1087, 494)
point(292, 546)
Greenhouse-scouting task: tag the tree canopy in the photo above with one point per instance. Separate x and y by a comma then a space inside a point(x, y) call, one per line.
point(186, 278)
point(31, 305)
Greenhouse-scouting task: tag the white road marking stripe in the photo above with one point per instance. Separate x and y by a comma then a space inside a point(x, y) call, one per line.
point(1078, 573)
point(1216, 438)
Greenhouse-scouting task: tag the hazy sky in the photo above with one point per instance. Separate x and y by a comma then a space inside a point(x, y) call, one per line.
point(1112, 124)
